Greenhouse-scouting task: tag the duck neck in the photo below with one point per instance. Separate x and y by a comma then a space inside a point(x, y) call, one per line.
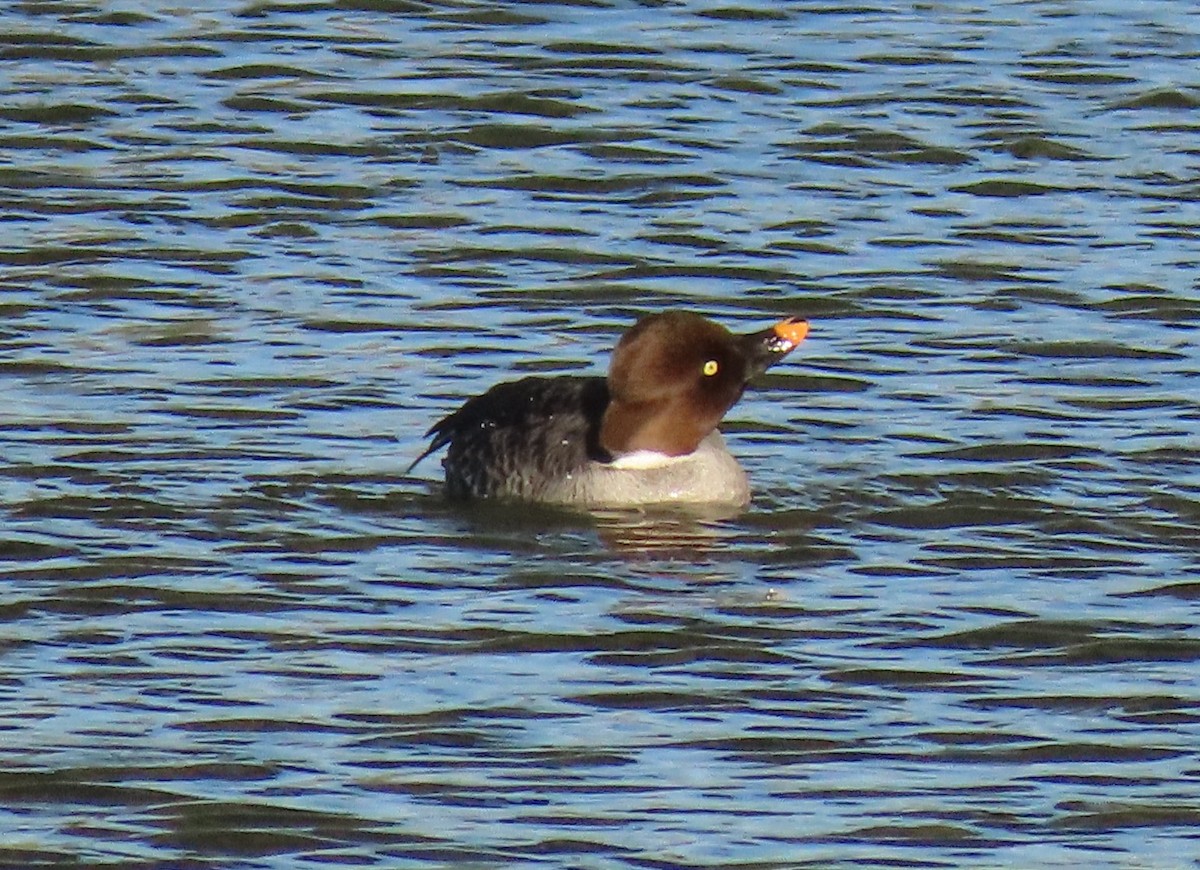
point(649, 429)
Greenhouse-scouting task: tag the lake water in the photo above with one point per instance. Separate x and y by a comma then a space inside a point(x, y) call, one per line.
point(250, 253)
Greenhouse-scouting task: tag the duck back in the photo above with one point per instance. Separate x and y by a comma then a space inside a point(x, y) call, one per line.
point(522, 437)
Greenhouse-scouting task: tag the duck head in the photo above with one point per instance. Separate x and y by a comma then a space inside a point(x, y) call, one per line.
point(674, 375)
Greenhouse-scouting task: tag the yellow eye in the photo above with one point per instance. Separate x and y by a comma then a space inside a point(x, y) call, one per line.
point(710, 367)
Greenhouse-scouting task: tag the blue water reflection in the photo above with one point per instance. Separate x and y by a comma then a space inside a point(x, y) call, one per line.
point(251, 252)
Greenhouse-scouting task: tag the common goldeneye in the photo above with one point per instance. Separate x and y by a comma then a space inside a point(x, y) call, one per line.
point(646, 434)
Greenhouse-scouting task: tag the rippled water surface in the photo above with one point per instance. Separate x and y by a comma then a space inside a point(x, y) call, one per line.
point(250, 253)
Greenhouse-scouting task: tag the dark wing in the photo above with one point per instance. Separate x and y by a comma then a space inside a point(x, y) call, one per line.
point(519, 436)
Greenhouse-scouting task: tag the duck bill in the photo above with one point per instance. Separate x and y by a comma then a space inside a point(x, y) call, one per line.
point(764, 349)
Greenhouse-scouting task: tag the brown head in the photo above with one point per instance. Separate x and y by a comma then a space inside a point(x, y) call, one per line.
point(675, 374)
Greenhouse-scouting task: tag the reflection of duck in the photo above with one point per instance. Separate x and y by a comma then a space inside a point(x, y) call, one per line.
point(694, 533)
point(645, 435)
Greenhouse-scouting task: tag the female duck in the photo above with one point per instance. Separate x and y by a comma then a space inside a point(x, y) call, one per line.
point(646, 434)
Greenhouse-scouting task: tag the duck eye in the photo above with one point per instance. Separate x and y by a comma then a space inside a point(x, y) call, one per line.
point(711, 367)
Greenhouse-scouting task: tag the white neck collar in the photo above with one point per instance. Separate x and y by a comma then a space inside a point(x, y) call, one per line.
point(641, 459)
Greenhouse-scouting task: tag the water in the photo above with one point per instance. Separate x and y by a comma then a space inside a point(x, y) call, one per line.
point(250, 253)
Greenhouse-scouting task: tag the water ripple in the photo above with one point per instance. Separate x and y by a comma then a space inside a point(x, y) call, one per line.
point(251, 253)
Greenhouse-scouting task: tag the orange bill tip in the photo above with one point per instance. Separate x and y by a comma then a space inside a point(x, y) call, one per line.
point(792, 330)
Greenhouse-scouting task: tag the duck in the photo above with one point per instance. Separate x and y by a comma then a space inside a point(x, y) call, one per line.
point(644, 435)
